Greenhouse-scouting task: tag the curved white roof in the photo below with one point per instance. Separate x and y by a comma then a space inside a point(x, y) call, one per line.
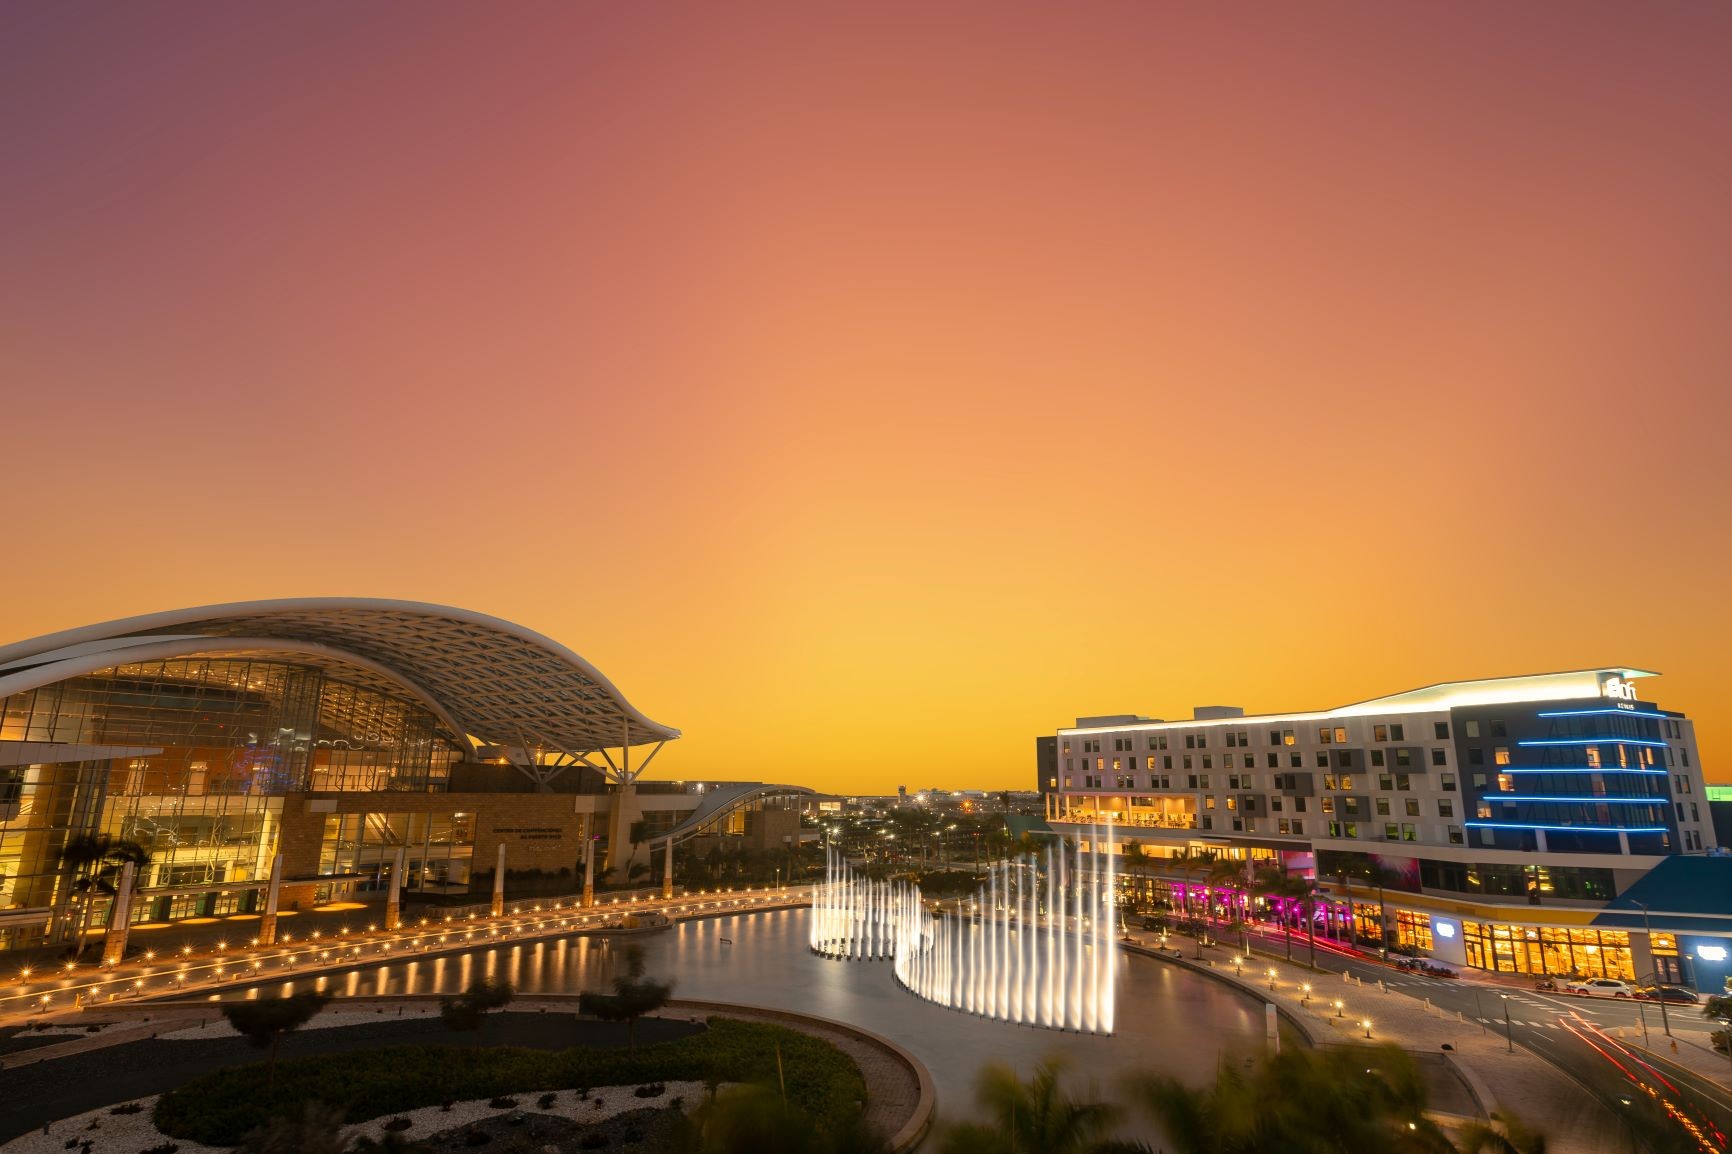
point(484, 677)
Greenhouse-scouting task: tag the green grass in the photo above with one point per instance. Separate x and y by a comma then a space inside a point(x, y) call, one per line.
point(220, 1108)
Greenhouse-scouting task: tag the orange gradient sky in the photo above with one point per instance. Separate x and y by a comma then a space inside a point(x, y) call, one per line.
point(870, 388)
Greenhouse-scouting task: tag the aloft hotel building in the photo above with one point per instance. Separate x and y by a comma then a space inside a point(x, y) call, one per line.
point(1520, 824)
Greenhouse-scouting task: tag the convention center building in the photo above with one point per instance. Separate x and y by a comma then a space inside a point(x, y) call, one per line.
point(344, 735)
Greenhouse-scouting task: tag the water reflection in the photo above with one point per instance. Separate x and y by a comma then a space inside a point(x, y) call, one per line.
point(1168, 1018)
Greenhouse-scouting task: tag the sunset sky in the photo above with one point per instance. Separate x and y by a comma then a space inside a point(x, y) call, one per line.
point(869, 388)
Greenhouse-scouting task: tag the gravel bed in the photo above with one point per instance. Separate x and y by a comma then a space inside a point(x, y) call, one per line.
point(130, 1133)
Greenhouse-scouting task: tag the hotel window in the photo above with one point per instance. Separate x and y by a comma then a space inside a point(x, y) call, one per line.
point(1208, 761)
point(1408, 833)
point(1404, 757)
point(1472, 728)
point(1397, 733)
point(1151, 764)
point(1299, 826)
point(1298, 805)
point(1341, 735)
point(1446, 781)
point(1505, 783)
point(1328, 805)
point(1166, 761)
point(1066, 749)
point(1501, 757)
point(1441, 730)
point(1296, 760)
point(1385, 782)
point(1383, 807)
point(1350, 806)
point(1455, 835)
point(1351, 829)
point(1121, 745)
point(1209, 802)
point(1475, 755)
point(1483, 811)
point(1226, 761)
point(1232, 803)
point(1380, 733)
point(1439, 757)
point(1413, 807)
point(1391, 831)
point(1207, 822)
point(1322, 759)
point(1498, 729)
point(1274, 737)
point(1287, 737)
point(1274, 761)
point(1445, 807)
point(1376, 757)
point(1325, 735)
point(1204, 779)
point(1190, 741)
point(1402, 781)
point(1329, 781)
point(1100, 763)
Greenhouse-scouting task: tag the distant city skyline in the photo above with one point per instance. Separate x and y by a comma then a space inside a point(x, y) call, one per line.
point(874, 388)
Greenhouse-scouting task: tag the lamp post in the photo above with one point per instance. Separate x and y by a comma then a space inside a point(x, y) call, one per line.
point(1508, 1030)
point(1665, 1020)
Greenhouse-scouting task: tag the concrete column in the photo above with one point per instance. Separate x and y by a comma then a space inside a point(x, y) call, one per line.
point(668, 871)
point(589, 861)
point(498, 906)
point(394, 902)
point(119, 919)
point(268, 923)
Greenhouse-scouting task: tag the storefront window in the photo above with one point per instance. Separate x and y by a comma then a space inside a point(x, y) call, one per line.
point(1549, 950)
point(1412, 931)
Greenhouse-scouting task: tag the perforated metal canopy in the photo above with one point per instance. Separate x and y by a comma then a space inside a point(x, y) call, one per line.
point(484, 677)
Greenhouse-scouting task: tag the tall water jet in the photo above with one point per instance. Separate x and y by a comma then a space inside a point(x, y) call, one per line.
point(1036, 949)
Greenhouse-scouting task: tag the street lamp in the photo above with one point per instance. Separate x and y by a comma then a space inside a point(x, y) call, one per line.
point(1508, 1030)
point(1665, 1021)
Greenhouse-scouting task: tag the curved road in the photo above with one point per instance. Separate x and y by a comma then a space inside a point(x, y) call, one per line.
point(1571, 1032)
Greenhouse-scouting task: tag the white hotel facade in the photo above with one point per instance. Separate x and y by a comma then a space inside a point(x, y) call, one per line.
point(1516, 820)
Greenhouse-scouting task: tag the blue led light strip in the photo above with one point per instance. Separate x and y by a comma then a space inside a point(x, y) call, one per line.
point(1597, 712)
point(1578, 799)
point(1585, 769)
point(1572, 828)
point(1596, 741)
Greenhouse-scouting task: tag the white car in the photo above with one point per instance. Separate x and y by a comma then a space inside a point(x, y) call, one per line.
point(1605, 987)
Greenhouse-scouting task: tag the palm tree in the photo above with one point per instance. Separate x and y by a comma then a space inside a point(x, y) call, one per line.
point(93, 862)
point(1136, 863)
point(264, 1022)
point(1346, 1101)
point(468, 1010)
point(1274, 882)
point(633, 996)
point(1033, 1117)
point(1193, 864)
point(1227, 874)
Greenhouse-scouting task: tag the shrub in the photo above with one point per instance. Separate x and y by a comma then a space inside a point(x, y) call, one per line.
point(546, 1101)
point(502, 1103)
point(126, 1108)
point(220, 1108)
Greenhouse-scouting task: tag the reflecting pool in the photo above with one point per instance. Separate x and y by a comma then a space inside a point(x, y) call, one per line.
point(1168, 1018)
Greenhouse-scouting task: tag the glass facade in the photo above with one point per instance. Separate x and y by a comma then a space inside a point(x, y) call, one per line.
point(235, 736)
point(437, 848)
point(1549, 950)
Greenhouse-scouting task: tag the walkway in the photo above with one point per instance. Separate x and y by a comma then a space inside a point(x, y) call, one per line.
point(1423, 1014)
point(213, 962)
